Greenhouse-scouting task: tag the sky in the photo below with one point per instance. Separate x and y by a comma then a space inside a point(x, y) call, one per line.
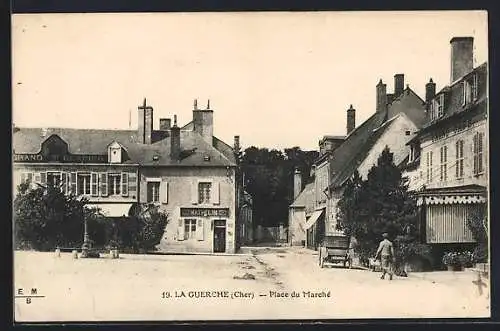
point(277, 79)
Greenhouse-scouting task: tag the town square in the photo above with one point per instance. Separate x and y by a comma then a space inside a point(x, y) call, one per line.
point(250, 166)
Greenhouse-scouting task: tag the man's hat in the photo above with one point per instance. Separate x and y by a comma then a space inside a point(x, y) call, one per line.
point(385, 235)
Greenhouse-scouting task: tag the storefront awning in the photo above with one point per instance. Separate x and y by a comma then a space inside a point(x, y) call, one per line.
point(113, 209)
point(451, 199)
point(313, 219)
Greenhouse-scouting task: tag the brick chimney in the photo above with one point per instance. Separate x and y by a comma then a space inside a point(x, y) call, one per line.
point(145, 123)
point(175, 141)
point(399, 83)
point(236, 146)
point(461, 57)
point(297, 183)
point(430, 92)
point(351, 119)
point(203, 120)
point(165, 124)
point(381, 96)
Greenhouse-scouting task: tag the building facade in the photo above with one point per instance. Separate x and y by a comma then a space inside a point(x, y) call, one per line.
point(188, 172)
point(448, 165)
point(398, 117)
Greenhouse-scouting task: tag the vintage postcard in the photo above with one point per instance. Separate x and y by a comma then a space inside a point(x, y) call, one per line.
point(250, 166)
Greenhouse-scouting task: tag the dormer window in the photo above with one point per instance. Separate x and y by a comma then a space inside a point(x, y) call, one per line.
point(469, 90)
point(115, 153)
point(437, 107)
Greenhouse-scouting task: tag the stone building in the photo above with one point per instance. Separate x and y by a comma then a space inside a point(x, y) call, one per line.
point(187, 171)
point(448, 163)
point(397, 118)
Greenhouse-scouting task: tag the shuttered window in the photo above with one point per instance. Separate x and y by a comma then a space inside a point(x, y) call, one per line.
point(72, 187)
point(459, 153)
point(94, 184)
point(443, 154)
point(215, 193)
point(189, 229)
point(477, 150)
point(164, 191)
point(132, 184)
point(200, 231)
point(103, 181)
point(124, 184)
point(180, 230)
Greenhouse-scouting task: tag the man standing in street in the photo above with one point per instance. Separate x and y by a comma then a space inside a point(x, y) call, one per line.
point(385, 253)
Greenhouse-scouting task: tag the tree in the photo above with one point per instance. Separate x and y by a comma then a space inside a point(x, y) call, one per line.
point(44, 218)
point(478, 225)
point(141, 231)
point(381, 203)
point(269, 180)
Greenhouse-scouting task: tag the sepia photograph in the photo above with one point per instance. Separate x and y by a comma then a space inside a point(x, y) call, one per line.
point(250, 166)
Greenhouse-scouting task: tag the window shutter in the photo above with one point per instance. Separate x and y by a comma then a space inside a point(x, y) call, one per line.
point(124, 184)
point(94, 180)
point(73, 183)
point(24, 177)
point(194, 192)
point(43, 178)
point(37, 178)
point(164, 191)
point(64, 186)
point(180, 230)
point(132, 184)
point(200, 232)
point(104, 184)
point(215, 193)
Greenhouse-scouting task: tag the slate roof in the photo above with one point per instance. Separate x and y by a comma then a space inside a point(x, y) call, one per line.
point(349, 155)
point(347, 165)
point(95, 142)
point(305, 197)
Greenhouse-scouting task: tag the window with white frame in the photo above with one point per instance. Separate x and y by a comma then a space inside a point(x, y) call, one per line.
point(459, 155)
point(478, 153)
point(83, 183)
point(429, 166)
point(189, 229)
point(469, 89)
point(439, 106)
point(53, 179)
point(443, 151)
point(114, 184)
point(204, 191)
point(153, 191)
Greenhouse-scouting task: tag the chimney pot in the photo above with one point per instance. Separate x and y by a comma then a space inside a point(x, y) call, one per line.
point(381, 96)
point(399, 82)
point(351, 119)
point(297, 183)
point(165, 124)
point(175, 141)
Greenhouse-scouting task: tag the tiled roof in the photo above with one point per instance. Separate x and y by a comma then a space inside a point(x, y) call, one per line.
point(95, 142)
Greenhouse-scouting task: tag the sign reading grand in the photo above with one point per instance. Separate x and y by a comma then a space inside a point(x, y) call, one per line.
point(204, 212)
point(55, 149)
point(70, 158)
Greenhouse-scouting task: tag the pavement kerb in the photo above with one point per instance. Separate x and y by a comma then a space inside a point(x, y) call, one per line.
point(199, 253)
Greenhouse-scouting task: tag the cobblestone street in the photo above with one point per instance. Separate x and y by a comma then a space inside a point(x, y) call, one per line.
point(260, 285)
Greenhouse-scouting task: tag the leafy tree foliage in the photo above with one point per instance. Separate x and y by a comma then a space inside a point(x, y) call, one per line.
point(379, 204)
point(478, 225)
point(45, 218)
point(269, 180)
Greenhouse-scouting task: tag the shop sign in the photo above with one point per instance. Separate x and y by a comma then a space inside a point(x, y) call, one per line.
point(204, 212)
